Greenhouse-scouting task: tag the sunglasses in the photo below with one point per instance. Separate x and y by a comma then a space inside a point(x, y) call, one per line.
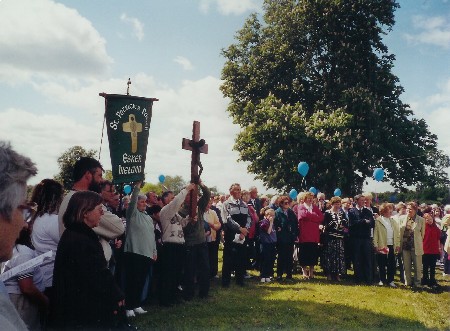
point(28, 210)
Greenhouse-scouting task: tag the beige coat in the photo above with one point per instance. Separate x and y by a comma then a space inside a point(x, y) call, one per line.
point(380, 233)
point(419, 232)
point(446, 222)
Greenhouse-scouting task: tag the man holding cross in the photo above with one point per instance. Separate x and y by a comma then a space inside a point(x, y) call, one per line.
point(196, 260)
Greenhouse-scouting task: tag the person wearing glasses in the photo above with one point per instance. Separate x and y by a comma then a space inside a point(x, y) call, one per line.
point(15, 170)
point(286, 227)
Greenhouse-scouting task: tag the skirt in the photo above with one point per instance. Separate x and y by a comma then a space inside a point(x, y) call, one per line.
point(333, 257)
point(308, 254)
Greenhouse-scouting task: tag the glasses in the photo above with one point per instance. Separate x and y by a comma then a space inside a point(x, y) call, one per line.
point(28, 210)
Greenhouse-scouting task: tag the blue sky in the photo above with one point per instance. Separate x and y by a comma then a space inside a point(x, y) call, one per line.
point(56, 56)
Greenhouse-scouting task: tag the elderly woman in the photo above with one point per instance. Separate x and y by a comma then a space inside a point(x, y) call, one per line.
point(335, 226)
point(15, 170)
point(386, 240)
point(139, 251)
point(86, 295)
point(309, 219)
point(412, 231)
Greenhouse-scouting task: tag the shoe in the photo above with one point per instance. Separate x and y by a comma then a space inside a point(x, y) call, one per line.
point(391, 284)
point(139, 310)
point(263, 280)
point(180, 288)
point(268, 280)
point(380, 283)
point(247, 276)
point(130, 313)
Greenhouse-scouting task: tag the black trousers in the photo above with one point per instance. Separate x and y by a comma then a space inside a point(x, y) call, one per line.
point(171, 263)
point(213, 253)
point(234, 258)
point(196, 265)
point(285, 261)
point(268, 253)
point(362, 259)
point(386, 265)
point(429, 269)
point(137, 268)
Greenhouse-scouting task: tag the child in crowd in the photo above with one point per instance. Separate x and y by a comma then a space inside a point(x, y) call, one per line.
point(268, 240)
point(431, 242)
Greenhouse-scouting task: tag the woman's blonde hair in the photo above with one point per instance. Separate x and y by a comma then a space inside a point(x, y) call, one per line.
point(303, 195)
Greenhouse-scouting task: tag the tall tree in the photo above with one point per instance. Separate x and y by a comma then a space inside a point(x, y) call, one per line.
point(313, 83)
point(66, 162)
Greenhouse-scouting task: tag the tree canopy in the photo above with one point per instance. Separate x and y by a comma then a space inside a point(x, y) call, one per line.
point(313, 82)
point(66, 162)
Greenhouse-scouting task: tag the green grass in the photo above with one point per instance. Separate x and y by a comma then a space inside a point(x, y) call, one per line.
point(306, 304)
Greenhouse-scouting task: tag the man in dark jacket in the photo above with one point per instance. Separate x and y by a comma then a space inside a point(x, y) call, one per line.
point(361, 223)
point(286, 227)
point(196, 259)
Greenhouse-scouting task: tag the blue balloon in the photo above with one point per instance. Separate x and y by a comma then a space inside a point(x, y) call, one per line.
point(313, 190)
point(161, 178)
point(127, 189)
point(293, 194)
point(378, 174)
point(303, 168)
point(337, 192)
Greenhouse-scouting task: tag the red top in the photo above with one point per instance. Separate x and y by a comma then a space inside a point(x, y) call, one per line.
point(431, 239)
point(308, 224)
point(255, 219)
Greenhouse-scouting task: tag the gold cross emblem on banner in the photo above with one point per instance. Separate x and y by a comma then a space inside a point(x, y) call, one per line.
point(133, 128)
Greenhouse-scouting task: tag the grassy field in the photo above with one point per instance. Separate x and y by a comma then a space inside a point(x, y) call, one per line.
point(306, 304)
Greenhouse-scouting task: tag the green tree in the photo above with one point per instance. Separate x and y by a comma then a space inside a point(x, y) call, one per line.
point(175, 184)
point(66, 162)
point(314, 83)
point(150, 187)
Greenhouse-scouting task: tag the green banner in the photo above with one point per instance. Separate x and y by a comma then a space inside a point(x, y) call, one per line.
point(128, 123)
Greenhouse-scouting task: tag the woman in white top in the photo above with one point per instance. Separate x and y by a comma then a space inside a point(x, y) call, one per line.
point(386, 240)
point(25, 289)
point(48, 195)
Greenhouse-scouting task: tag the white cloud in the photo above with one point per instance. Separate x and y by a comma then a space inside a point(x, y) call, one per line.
point(184, 62)
point(231, 7)
point(435, 31)
point(45, 137)
point(138, 26)
point(437, 115)
point(41, 38)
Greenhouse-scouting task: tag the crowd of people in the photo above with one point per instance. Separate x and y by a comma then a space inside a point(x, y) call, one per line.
point(114, 254)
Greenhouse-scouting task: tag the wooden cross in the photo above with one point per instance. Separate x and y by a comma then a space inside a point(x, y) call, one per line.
point(133, 128)
point(197, 146)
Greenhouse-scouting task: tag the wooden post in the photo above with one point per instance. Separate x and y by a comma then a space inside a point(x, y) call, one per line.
point(197, 146)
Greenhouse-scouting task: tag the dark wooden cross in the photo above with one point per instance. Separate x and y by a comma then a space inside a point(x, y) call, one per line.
point(197, 146)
